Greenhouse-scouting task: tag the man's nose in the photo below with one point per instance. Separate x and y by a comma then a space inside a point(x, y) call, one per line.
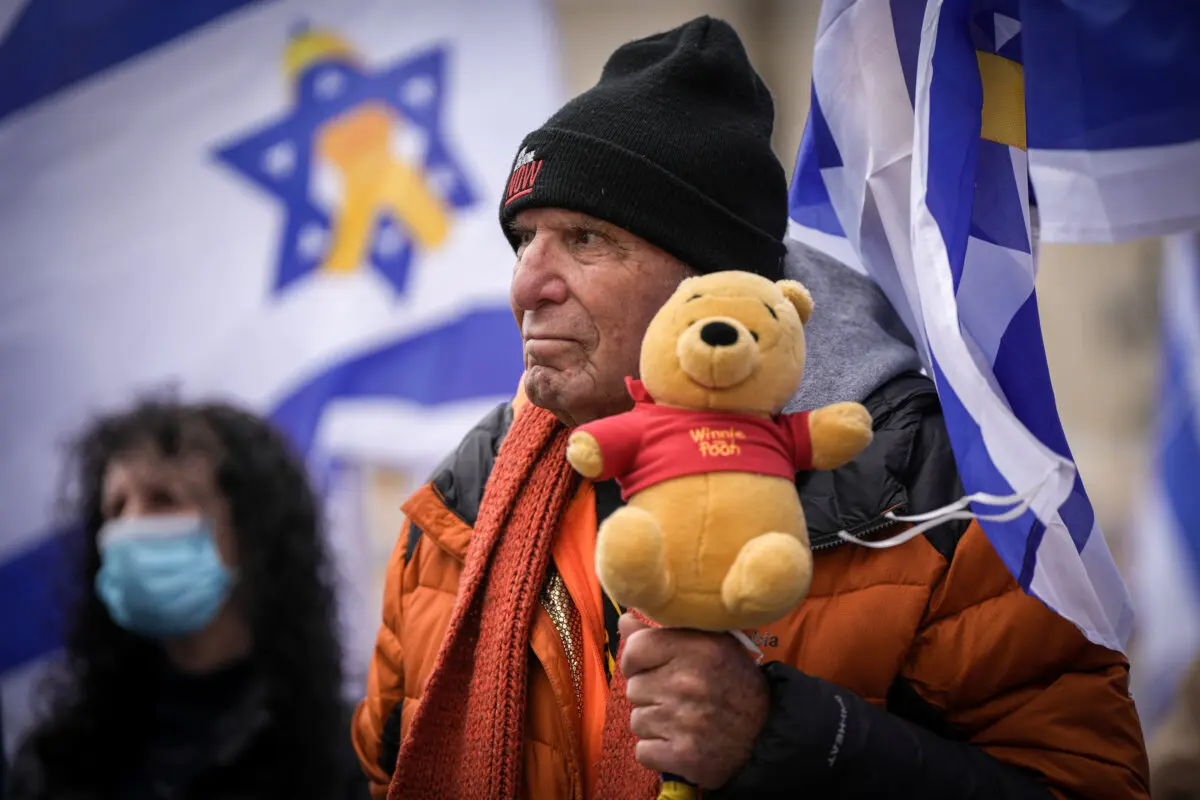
point(538, 279)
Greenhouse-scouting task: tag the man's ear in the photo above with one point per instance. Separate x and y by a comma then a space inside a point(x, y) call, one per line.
point(798, 296)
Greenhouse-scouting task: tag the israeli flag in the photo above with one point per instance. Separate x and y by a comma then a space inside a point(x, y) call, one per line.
point(1165, 538)
point(1113, 115)
point(290, 204)
point(929, 118)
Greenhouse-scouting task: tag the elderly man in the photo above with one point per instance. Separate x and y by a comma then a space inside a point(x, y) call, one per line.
point(501, 669)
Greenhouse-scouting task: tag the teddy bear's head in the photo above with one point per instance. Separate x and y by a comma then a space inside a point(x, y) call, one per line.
point(728, 341)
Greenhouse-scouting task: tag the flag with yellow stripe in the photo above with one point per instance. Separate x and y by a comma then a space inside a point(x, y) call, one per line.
point(914, 170)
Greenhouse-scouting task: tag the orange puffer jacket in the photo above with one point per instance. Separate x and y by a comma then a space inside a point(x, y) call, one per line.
point(935, 631)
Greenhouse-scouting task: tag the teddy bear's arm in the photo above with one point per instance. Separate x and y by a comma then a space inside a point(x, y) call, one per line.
point(605, 448)
point(838, 433)
point(583, 453)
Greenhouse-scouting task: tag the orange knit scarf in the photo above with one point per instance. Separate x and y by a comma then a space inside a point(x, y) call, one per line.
point(466, 737)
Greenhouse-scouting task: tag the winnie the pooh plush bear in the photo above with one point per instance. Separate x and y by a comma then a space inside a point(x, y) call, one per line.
point(712, 535)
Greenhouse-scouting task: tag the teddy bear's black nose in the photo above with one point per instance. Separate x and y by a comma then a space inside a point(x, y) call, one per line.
point(718, 334)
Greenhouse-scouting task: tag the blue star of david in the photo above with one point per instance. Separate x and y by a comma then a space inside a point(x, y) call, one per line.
point(279, 158)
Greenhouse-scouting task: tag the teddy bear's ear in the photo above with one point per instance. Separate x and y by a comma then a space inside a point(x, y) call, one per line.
point(798, 296)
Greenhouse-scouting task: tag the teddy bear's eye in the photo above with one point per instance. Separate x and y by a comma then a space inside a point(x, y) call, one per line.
point(771, 311)
point(694, 297)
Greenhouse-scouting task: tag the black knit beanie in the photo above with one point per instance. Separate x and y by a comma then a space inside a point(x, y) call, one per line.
point(673, 144)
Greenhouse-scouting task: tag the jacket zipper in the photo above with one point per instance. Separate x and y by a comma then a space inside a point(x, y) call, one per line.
point(870, 529)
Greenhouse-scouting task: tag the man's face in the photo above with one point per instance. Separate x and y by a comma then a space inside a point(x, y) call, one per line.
point(583, 292)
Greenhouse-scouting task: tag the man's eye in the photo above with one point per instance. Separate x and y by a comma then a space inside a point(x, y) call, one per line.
point(523, 240)
point(586, 238)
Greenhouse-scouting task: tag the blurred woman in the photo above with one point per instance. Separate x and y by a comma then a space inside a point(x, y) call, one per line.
point(202, 662)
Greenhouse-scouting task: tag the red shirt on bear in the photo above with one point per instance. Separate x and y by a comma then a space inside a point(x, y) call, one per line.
point(654, 443)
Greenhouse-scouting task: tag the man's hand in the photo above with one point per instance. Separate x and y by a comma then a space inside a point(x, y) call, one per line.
point(699, 701)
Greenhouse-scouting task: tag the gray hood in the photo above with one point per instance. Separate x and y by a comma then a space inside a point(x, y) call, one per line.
point(856, 340)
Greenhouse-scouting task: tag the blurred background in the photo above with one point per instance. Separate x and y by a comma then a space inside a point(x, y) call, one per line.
point(163, 230)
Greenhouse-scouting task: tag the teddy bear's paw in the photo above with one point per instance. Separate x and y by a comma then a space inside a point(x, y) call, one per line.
point(583, 453)
point(770, 576)
point(631, 559)
point(839, 432)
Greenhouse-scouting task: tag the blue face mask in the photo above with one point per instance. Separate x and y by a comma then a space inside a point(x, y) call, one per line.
point(161, 576)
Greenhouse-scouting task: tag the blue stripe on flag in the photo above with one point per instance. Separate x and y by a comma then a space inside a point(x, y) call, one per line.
point(1111, 75)
point(1032, 542)
point(1009, 8)
point(1015, 541)
point(1022, 370)
point(1078, 515)
point(955, 110)
point(1179, 456)
point(907, 18)
point(34, 592)
point(1011, 49)
point(998, 215)
point(809, 203)
point(55, 44)
point(419, 370)
point(983, 31)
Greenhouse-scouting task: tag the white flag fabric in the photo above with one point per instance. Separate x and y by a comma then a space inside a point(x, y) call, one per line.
point(928, 120)
point(291, 205)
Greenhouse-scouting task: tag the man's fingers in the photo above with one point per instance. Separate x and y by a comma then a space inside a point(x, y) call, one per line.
point(698, 702)
point(644, 649)
point(660, 755)
point(641, 691)
point(649, 722)
point(628, 624)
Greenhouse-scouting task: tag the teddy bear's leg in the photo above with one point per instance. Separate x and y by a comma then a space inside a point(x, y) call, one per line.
point(769, 576)
point(631, 560)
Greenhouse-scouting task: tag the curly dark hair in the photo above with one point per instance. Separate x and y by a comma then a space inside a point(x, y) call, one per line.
point(100, 713)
